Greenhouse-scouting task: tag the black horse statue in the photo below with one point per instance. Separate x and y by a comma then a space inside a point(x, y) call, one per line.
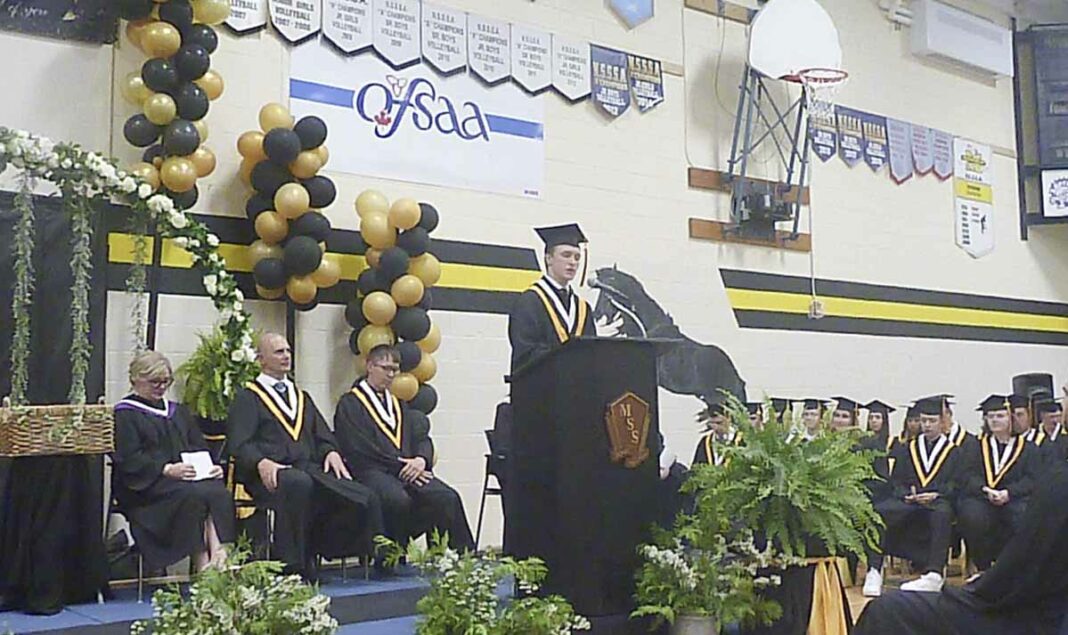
point(687, 367)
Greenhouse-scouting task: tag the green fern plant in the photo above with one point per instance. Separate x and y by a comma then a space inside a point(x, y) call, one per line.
point(207, 390)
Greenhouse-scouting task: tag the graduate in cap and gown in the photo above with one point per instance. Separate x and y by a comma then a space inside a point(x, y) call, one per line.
point(550, 313)
point(288, 459)
point(388, 447)
point(811, 419)
point(1051, 438)
point(995, 485)
point(720, 434)
point(878, 441)
point(1022, 423)
point(1023, 593)
point(910, 429)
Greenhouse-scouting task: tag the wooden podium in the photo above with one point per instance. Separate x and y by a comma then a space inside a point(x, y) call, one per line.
point(583, 468)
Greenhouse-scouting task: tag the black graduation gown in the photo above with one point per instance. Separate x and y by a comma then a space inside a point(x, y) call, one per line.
point(166, 515)
point(1024, 593)
point(373, 445)
point(879, 489)
point(314, 513)
point(707, 452)
point(536, 327)
point(1053, 449)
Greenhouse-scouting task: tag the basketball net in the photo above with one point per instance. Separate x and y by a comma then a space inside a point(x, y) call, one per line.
point(821, 90)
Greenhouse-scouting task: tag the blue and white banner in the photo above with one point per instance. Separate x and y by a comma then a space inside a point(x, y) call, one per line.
point(942, 144)
point(876, 153)
point(850, 135)
point(294, 20)
point(646, 81)
point(922, 149)
point(899, 136)
point(396, 31)
point(608, 77)
point(489, 48)
point(824, 134)
point(247, 16)
point(444, 38)
point(414, 125)
point(571, 68)
point(347, 24)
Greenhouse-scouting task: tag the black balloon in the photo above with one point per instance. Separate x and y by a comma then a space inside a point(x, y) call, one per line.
point(153, 153)
point(270, 273)
point(281, 146)
point(257, 204)
point(415, 241)
point(307, 306)
point(425, 400)
point(192, 60)
point(411, 323)
point(267, 177)
point(410, 354)
point(184, 200)
point(302, 255)
point(311, 224)
point(321, 191)
point(312, 132)
point(427, 302)
point(135, 9)
point(201, 34)
point(429, 218)
point(392, 264)
point(177, 12)
point(354, 337)
point(368, 282)
point(140, 132)
point(180, 138)
point(192, 101)
point(159, 75)
point(355, 317)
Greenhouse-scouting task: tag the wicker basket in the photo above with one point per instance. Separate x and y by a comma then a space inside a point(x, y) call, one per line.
point(56, 430)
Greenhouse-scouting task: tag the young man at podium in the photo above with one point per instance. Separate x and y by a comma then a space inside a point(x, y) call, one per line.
point(550, 313)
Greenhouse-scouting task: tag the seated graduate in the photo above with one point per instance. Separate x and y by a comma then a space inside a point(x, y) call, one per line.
point(377, 435)
point(995, 485)
point(910, 429)
point(954, 431)
point(878, 440)
point(1023, 593)
point(924, 486)
point(720, 433)
point(288, 460)
point(755, 409)
point(1022, 423)
point(1051, 436)
point(811, 419)
point(173, 511)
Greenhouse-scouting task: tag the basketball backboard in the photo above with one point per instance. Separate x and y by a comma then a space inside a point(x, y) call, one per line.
point(788, 36)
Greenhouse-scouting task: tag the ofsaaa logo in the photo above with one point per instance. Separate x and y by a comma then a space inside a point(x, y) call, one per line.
point(400, 102)
point(1058, 194)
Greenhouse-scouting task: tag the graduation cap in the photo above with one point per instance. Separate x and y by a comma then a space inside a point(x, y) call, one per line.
point(780, 405)
point(933, 405)
point(993, 403)
point(880, 407)
point(814, 403)
point(945, 399)
point(1031, 385)
point(1019, 401)
point(569, 234)
point(1045, 404)
point(845, 403)
point(912, 412)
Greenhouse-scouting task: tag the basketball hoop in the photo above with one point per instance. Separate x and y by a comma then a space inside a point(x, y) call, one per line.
point(821, 87)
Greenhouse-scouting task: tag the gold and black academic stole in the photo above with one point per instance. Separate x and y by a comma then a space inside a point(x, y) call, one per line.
point(997, 466)
point(292, 426)
point(564, 324)
point(958, 439)
point(710, 450)
point(386, 416)
point(927, 466)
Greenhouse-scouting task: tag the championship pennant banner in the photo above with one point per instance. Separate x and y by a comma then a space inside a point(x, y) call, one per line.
point(405, 32)
point(973, 197)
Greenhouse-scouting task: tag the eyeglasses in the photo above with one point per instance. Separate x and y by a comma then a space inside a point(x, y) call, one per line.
point(392, 368)
point(160, 383)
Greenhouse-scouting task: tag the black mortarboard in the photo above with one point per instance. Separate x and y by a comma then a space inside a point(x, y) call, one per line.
point(878, 406)
point(569, 234)
point(993, 403)
point(1031, 385)
point(912, 412)
point(1045, 404)
point(1018, 401)
point(814, 403)
point(945, 399)
point(780, 405)
point(753, 407)
point(845, 403)
point(932, 405)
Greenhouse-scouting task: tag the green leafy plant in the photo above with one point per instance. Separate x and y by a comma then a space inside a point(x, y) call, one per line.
point(463, 596)
point(207, 374)
point(246, 598)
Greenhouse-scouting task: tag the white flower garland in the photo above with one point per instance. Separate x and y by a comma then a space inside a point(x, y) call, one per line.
point(96, 177)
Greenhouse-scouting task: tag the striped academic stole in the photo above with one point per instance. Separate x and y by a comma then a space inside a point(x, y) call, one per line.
point(1038, 435)
point(387, 416)
point(292, 421)
point(713, 457)
point(957, 438)
point(927, 465)
point(997, 464)
point(1043, 437)
point(567, 324)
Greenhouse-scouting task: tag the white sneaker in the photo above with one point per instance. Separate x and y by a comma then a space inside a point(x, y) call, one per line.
point(928, 582)
point(873, 584)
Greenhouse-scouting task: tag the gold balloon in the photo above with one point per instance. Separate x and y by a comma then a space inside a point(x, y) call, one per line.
point(328, 274)
point(134, 90)
point(404, 213)
point(379, 308)
point(361, 365)
point(292, 200)
point(211, 83)
point(371, 202)
point(301, 289)
point(427, 268)
point(178, 174)
point(202, 129)
point(134, 29)
point(213, 12)
point(275, 116)
point(160, 39)
point(259, 250)
point(376, 232)
point(324, 154)
point(306, 165)
point(372, 256)
point(146, 172)
point(404, 386)
point(245, 171)
point(271, 227)
point(372, 336)
point(269, 294)
point(432, 341)
point(407, 290)
point(203, 160)
point(426, 369)
point(160, 109)
point(250, 145)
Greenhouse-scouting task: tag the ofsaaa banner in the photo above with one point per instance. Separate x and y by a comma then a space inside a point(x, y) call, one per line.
point(415, 125)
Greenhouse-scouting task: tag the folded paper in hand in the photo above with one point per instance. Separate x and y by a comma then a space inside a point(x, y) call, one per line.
point(201, 461)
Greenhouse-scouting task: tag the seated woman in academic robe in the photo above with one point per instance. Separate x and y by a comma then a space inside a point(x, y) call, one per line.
point(387, 445)
point(1025, 592)
point(175, 509)
point(995, 485)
